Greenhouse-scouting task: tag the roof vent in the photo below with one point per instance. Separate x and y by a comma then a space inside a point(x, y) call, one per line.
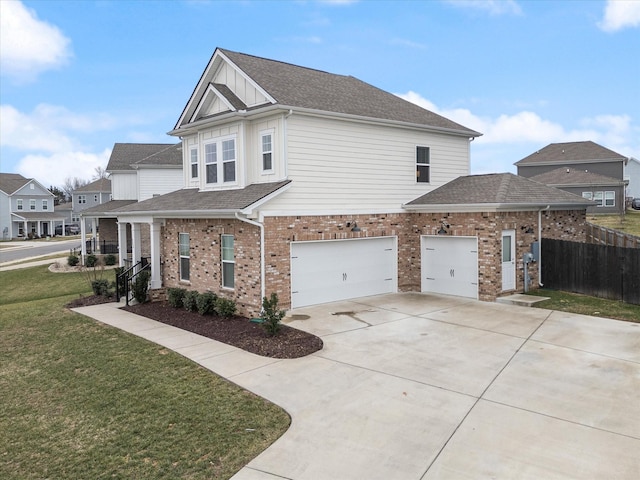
point(567, 170)
point(562, 150)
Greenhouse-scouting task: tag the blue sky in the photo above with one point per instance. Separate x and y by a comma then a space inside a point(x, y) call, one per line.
point(77, 77)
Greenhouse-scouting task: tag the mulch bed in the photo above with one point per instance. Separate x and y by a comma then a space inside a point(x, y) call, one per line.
point(237, 331)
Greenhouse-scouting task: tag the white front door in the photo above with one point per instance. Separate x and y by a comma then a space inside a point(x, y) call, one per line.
point(449, 265)
point(508, 260)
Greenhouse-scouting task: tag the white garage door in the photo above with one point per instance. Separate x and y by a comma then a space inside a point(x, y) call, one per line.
point(333, 270)
point(450, 265)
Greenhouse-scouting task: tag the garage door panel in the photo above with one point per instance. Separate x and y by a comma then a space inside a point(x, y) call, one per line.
point(449, 265)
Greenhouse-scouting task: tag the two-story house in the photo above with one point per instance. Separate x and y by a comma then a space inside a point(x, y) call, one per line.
point(632, 177)
point(301, 182)
point(89, 196)
point(137, 171)
point(583, 168)
point(26, 208)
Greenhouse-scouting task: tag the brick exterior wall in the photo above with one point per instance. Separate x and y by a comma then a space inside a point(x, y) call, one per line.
point(205, 247)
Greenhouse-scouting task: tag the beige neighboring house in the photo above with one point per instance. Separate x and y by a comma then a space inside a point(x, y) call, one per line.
point(320, 187)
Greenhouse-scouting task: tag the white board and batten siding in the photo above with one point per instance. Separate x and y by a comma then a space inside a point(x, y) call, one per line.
point(158, 181)
point(449, 265)
point(335, 164)
point(124, 186)
point(334, 270)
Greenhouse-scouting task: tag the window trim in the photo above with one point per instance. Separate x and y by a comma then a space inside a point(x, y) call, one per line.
point(613, 199)
point(194, 164)
point(82, 199)
point(45, 205)
point(223, 261)
point(263, 134)
point(221, 162)
point(19, 204)
point(183, 256)
point(422, 164)
point(587, 195)
point(32, 204)
point(598, 197)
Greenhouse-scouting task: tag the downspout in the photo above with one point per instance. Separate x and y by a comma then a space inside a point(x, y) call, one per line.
point(540, 244)
point(285, 157)
point(262, 256)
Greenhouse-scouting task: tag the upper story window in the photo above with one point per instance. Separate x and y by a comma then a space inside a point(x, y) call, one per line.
point(220, 171)
point(45, 204)
point(82, 199)
point(32, 204)
point(598, 197)
point(193, 158)
point(609, 199)
point(19, 205)
point(422, 164)
point(95, 198)
point(587, 195)
point(266, 142)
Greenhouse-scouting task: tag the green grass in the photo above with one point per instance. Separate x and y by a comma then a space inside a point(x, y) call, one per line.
point(79, 399)
point(583, 304)
point(629, 223)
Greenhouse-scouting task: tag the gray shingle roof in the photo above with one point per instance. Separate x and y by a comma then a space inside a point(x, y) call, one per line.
point(301, 87)
point(571, 152)
point(230, 96)
point(43, 216)
point(100, 185)
point(11, 182)
point(572, 176)
point(498, 189)
point(192, 200)
point(106, 208)
point(125, 155)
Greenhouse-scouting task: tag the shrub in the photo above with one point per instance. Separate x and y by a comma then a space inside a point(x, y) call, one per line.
point(110, 259)
point(271, 316)
point(91, 261)
point(140, 286)
point(100, 287)
point(175, 297)
point(190, 300)
point(73, 260)
point(225, 307)
point(206, 303)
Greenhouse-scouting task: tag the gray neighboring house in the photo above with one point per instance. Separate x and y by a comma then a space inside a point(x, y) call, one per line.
point(89, 196)
point(585, 168)
point(632, 176)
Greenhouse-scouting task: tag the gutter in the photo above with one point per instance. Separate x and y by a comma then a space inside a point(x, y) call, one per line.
point(540, 284)
point(262, 255)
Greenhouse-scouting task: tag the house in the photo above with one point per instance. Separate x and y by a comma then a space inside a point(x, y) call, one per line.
point(89, 196)
point(632, 177)
point(584, 168)
point(315, 186)
point(137, 171)
point(26, 208)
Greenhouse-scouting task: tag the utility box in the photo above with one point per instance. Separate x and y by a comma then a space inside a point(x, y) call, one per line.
point(535, 251)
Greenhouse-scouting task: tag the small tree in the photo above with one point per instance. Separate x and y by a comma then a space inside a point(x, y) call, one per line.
point(271, 315)
point(140, 286)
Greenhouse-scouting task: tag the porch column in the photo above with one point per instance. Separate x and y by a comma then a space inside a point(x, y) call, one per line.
point(25, 226)
point(83, 239)
point(122, 242)
point(136, 243)
point(156, 279)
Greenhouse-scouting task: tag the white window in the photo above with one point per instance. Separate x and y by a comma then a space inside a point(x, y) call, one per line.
point(266, 142)
point(82, 199)
point(228, 262)
point(45, 205)
point(609, 199)
point(422, 164)
point(598, 198)
point(19, 204)
point(75, 218)
point(95, 198)
point(587, 195)
point(183, 247)
point(32, 204)
point(224, 170)
point(193, 156)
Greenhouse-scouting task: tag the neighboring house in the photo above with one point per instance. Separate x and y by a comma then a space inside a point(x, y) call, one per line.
point(66, 210)
point(137, 171)
point(585, 168)
point(26, 208)
point(632, 176)
point(89, 196)
point(317, 187)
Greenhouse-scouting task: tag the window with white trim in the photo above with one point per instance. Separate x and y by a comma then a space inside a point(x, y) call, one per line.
point(95, 198)
point(228, 261)
point(598, 197)
point(220, 172)
point(82, 199)
point(422, 164)
point(587, 195)
point(45, 204)
point(193, 158)
point(19, 205)
point(266, 145)
point(609, 199)
point(32, 204)
point(183, 247)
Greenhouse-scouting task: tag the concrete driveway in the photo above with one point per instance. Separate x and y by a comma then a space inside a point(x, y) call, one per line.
point(417, 386)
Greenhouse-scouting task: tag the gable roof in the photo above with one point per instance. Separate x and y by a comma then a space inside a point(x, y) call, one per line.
point(496, 191)
point(294, 87)
point(126, 156)
point(574, 177)
point(12, 182)
point(100, 185)
point(571, 152)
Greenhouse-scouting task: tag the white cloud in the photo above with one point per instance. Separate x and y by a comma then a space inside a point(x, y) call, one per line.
point(620, 14)
point(492, 7)
point(29, 46)
point(62, 165)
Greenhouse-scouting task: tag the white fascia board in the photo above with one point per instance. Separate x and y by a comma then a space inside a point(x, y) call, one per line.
point(195, 127)
point(130, 216)
point(328, 213)
point(493, 207)
point(216, 92)
point(20, 217)
point(249, 210)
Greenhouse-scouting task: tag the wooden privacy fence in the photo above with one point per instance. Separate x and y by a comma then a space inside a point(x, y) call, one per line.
point(605, 236)
point(596, 270)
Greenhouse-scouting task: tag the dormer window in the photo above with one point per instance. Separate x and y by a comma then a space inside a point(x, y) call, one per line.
point(224, 170)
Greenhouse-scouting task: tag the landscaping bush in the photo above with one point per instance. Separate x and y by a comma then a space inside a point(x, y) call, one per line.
point(101, 287)
point(91, 261)
point(175, 297)
point(271, 316)
point(206, 303)
point(110, 259)
point(140, 286)
point(73, 260)
point(190, 300)
point(225, 307)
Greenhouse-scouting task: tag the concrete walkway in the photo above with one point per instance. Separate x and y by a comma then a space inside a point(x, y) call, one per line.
point(417, 386)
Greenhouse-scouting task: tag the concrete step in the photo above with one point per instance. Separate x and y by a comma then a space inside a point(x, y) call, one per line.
point(521, 299)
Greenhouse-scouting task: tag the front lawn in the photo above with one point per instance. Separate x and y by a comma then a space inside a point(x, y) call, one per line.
point(79, 399)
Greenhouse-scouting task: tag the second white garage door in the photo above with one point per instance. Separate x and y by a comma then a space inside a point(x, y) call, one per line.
point(450, 265)
point(333, 270)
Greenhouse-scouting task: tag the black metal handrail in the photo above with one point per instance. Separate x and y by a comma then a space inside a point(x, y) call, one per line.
point(125, 279)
